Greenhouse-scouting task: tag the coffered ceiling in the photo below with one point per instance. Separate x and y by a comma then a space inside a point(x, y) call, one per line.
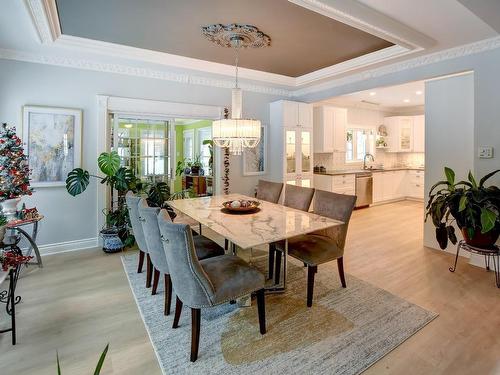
point(303, 41)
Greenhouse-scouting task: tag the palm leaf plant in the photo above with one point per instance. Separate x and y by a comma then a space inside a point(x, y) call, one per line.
point(118, 178)
point(98, 368)
point(474, 207)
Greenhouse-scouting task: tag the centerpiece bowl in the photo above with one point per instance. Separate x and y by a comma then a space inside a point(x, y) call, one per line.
point(240, 205)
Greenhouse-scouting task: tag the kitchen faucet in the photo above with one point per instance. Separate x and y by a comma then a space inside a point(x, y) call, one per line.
point(364, 159)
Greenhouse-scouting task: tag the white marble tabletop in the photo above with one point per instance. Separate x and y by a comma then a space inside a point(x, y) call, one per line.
point(272, 223)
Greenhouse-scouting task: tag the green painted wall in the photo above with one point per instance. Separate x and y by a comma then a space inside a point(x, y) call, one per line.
point(179, 144)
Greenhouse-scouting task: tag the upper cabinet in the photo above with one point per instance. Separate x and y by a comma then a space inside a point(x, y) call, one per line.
point(329, 129)
point(419, 133)
point(406, 133)
point(297, 114)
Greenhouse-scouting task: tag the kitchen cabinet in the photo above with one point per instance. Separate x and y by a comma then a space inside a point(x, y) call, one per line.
point(419, 133)
point(392, 185)
point(415, 184)
point(400, 130)
point(291, 137)
point(329, 129)
point(340, 184)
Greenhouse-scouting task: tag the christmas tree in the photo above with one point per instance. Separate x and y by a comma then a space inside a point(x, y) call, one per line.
point(14, 169)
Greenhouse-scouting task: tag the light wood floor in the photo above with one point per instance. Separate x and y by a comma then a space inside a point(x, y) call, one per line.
point(80, 301)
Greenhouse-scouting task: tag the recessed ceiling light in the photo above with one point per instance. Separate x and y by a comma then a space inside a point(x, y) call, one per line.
point(406, 100)
point(128, 126)
point(418, 92)
point(373, 93)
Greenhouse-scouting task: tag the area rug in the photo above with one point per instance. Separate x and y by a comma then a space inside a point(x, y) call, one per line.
point(345, 331)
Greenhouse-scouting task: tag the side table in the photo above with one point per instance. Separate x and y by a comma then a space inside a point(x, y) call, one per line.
point(488, 253)
point(9, 296)
point(31, 238)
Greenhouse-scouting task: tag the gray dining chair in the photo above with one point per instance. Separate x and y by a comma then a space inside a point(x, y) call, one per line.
point(132, 202)
point(206, 283)
point(297, 197)
point(324, 245)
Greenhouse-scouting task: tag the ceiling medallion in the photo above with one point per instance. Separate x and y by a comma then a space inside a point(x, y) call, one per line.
point(236, 132)
point(225, 35)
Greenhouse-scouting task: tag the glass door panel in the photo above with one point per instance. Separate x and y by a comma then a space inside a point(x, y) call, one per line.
point(306, 164)
point(290, 150)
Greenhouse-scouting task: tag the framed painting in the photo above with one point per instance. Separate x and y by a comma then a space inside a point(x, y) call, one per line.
point(52, 140)
point(255, 159)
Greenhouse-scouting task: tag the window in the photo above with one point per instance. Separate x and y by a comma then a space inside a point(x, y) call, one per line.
point(188, 144)
point(203, 135)
point(143, 146)
point(359, 142)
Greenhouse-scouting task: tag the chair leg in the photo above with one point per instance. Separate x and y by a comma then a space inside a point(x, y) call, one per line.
point(277, 267)
point(226, 244)
point(261, 307)
point(149, 271)
point(311, 271)
point(340, 265)
point(141, 261)
point(195, 333)
point(168, 294)
point(272, 252)
point(156, 279)
point(178, 310)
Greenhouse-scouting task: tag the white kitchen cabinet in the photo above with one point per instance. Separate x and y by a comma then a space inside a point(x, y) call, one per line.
point(291, 140)
point(419, 133)
point(378, 187)
point(415, 184)
point(389, 185)
point(329, 129)
point(400, 130)
point(341, 184)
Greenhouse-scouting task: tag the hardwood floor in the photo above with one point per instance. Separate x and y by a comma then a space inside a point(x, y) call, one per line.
point(81, 301)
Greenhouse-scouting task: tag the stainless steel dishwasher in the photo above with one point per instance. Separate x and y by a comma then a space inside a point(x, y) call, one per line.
point(364, 189)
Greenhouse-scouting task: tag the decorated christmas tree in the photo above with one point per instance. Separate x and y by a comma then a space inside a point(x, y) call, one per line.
point(14, 169)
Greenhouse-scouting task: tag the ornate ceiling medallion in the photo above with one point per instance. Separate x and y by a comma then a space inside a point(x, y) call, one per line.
point(247, 36)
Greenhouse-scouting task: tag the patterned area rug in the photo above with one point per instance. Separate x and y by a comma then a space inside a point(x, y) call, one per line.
point(345, 332)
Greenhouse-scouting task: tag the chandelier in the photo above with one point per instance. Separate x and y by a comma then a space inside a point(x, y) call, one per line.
point(236, 132)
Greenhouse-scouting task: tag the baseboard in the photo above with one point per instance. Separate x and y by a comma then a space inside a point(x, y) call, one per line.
point(63, 247)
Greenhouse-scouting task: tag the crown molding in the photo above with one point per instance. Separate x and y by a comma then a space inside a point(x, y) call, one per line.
point(448, 54)
point(107, 67)
point(45, 19)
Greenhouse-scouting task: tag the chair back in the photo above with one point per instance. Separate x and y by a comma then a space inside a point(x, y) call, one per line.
point(337, 207)
point(190, 281)
point(269, 191)
point(298, 197)
point(147, 216)
point(133, 213)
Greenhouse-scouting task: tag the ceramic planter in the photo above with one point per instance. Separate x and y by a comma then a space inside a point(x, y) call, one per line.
point(483, 240)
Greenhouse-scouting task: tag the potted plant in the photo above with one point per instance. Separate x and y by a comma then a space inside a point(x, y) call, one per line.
point(183, 166)
point(196, 165)
point(474, 207)
point(116, 233)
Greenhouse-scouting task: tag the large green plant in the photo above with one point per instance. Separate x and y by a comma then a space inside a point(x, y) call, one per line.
point(98, 368)
point(473, 206)
point(118, 178)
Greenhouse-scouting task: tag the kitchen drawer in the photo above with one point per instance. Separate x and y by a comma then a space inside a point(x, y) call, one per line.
point(344, 190)
point(345, 179)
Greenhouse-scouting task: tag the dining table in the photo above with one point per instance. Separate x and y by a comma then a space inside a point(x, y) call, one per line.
point(270, 223)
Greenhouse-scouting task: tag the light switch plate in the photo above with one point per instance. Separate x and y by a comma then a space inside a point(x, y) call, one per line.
point(485, 152)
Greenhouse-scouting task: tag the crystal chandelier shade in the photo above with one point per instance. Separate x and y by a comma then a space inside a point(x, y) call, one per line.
point(236, 132)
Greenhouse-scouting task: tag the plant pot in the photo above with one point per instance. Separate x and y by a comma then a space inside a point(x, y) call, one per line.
point(9, 208)
point(111, 241)
point(187, 170)
point(195, 170)
point(479, 239)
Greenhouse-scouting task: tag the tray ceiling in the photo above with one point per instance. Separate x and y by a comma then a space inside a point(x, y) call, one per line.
point(303, 41)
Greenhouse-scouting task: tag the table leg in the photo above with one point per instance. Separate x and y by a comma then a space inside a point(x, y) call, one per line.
point(281, 288)
point(33, 246)
point(452, 269)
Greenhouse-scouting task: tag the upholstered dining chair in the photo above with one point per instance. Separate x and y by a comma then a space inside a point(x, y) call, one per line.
point(297, 197)
point(206, 283)
point(324, 245)
point(148, 217)
point(133, 210)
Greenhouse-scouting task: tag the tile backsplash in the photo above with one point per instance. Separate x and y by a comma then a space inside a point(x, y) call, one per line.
point(336, 160)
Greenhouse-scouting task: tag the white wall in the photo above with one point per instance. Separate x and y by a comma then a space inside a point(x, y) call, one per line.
point(75, 219)
point(449, 136)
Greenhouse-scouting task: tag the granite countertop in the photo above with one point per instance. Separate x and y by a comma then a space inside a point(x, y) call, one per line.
point(354, 171)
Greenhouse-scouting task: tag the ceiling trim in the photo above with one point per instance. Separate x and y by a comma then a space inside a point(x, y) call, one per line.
point(448, 54)
point(46, 22)
point(130, 70)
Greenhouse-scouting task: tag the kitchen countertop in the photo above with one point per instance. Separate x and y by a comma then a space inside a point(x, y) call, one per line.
point(354, 171)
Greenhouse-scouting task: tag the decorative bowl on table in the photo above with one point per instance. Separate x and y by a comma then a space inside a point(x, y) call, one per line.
point(241, 205)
